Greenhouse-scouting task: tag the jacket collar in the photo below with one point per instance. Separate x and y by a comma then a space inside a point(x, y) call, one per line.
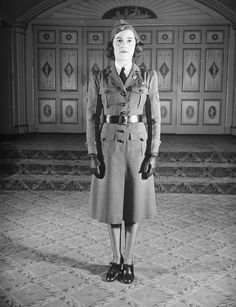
point(133, 77)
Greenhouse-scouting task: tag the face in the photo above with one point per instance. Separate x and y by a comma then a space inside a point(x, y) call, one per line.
point(124, 45)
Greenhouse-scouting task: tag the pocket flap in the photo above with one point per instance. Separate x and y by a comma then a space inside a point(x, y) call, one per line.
point(138, 136)
point(107, 135)
point(140, 90)
point(107, 90)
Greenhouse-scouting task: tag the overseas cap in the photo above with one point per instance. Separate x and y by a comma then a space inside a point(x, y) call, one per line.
point(122, 25)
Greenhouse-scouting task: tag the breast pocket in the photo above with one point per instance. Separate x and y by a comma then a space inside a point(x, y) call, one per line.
point(138, 97)
point(109, 96)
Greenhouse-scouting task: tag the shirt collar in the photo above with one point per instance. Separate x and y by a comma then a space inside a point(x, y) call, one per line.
point(127, 67)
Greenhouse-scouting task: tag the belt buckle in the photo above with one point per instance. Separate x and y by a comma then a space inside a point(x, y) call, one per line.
point(123, 119)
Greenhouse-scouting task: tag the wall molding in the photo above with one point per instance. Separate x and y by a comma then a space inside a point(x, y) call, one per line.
point(214, 5)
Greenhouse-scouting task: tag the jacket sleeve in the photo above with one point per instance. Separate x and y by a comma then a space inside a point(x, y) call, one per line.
point(93, 93)
point(153, 114)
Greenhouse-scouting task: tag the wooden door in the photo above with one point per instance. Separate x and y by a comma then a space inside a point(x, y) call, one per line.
point(191, 63)
point(202, 75)
point(58, 80)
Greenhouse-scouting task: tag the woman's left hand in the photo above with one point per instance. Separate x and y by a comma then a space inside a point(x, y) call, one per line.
point(149, 167)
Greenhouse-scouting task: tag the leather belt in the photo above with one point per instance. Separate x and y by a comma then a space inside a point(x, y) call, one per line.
point(123, 119)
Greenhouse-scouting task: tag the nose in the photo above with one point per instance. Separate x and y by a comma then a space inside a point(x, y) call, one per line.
point(123, 44)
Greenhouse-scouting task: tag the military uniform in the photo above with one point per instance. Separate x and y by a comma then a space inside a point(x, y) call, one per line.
point(122, 193)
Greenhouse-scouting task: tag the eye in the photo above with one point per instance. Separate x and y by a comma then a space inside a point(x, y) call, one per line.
point(130, 41)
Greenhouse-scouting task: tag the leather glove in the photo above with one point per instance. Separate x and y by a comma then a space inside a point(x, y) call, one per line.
point(97, 166)
point(149, 167)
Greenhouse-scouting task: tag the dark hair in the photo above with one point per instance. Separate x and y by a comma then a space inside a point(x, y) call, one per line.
point(137, 51)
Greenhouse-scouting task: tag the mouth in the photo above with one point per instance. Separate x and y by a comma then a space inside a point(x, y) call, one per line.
point(124, 51)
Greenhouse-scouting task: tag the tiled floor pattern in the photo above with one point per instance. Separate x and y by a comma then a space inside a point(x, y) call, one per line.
point(52, 254)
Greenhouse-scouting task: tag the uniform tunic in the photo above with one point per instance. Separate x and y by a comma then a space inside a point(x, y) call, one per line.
point(122, 193)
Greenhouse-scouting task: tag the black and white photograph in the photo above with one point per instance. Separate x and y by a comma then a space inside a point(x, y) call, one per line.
point(118, 153)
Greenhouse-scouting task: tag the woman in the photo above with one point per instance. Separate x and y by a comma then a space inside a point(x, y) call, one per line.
point(122, 150)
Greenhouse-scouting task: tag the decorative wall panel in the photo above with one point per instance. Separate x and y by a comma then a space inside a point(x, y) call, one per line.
point(166, 112)
point(191, 63)
point(69, 69)
point(47, 37)
point(126, 11)
point(165, 37)
point(145, 60)
point(95, 38)
point(192, 37)
point(47, 111)
point(191, 70)
point(189, 112)
point(68, 37)
point(165, 69)
point(95, 60)
point(214, 70)
point(46, 69)
point(145, 37)
point(69, 111)
point(215, 37)
point(212, 112)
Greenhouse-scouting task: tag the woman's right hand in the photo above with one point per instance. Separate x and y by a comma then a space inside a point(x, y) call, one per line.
point(96, 166)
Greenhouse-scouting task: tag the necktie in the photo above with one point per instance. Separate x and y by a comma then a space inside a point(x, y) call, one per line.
point(123, 75)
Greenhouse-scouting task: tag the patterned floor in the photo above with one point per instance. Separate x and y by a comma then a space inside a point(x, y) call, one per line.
point(53, 255)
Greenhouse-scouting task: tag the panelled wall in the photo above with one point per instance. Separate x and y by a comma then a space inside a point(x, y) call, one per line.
point(191, 63)
point(202, 71)
point(58, 80)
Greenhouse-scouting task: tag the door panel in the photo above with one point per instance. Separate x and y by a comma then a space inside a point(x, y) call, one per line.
point(95, 60)
point(191, 70)
point(68, 69)
point(145, 60)
point(47, 69)
point(214, 70)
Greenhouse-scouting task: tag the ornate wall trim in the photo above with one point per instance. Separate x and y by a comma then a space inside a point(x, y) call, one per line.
point(39, 9)
point(48, 4)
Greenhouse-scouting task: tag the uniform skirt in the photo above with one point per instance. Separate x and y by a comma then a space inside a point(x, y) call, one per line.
point(122, 195)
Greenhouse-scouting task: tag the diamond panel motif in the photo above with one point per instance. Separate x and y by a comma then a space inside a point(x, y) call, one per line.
point(95, 68)
point(46, 69)
point(191, 70)
point(213, 70)
point(164, 69)
point(68, 70)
